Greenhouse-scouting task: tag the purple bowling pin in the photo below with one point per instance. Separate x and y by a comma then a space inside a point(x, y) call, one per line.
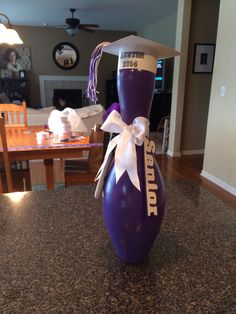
point(131, 228)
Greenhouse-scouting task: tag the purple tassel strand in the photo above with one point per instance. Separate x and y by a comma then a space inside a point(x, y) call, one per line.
point(93, 71)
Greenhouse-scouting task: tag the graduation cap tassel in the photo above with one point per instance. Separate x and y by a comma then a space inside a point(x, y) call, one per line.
point(93, 71)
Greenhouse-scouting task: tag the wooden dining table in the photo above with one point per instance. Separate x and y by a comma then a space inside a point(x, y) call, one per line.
point(24, 145)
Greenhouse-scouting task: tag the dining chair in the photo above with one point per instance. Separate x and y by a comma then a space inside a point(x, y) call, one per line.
point(83, 171)
point(5, 159)
point(162, 134)
point(15, 116)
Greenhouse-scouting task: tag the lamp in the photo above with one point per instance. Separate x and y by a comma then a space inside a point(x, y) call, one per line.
point(7, 34)
point(72, 31)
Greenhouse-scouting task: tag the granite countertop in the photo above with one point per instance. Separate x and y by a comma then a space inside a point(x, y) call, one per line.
point(56, 256)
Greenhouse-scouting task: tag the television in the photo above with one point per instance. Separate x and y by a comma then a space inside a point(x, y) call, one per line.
point(160, 76)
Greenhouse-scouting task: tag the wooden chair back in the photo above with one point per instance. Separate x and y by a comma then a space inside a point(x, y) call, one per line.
point(84, 171)
point(5, 158)
point(14, 115)
point(96, 154)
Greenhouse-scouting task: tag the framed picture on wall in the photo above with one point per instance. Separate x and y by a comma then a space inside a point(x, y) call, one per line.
point(15, 59)
point(203, 59)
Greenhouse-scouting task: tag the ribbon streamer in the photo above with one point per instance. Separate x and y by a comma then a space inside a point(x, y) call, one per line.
point(125, 154)
point(93, 72)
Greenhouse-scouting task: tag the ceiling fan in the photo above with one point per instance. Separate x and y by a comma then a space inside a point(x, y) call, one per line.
point(73, 25)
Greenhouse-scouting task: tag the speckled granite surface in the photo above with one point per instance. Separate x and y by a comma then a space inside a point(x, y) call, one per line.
point(56, 257)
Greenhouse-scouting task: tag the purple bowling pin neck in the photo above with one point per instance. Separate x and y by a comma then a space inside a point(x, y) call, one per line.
point(135, 83)
point(135, 92)
point(136, 73)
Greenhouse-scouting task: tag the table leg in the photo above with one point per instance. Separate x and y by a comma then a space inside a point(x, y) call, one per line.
point(1, 184)
point(48, 163)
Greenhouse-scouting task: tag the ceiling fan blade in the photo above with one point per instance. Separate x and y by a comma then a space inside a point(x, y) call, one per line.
point(89, 25)
point(56, 26)
point(87, 29)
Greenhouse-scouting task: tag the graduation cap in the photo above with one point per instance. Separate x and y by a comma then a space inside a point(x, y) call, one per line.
point(140, 53)
point(134, 43)
point(134, 53)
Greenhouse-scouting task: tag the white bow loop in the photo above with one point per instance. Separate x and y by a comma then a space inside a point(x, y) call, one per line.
point(113, 123)
point(140, 127)
point(125, 154)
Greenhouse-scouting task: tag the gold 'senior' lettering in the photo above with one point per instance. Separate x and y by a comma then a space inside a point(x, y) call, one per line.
point(151, 186)
point(150, 161)
point(150, 147)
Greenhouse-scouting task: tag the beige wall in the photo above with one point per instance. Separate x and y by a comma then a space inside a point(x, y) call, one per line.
point(220, 149)
point(162, 31)
point(203, 29)
point(43, 40)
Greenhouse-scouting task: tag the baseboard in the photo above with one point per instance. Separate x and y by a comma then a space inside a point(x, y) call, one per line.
point(193, 152)
point(172, 154)
point(219, 182)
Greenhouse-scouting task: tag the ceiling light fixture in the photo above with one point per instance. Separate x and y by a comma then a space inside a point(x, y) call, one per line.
point(7, 34)
point(72, 31)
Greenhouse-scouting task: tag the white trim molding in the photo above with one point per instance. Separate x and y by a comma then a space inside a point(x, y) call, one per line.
point(172, 154)
point(179, 75)
point(65, 81)
point(193, 152)
point(219, 182)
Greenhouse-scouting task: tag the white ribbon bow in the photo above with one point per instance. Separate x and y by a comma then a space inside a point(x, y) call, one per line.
point(125, 154)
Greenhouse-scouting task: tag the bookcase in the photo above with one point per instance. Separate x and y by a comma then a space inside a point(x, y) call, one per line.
point(15, 89)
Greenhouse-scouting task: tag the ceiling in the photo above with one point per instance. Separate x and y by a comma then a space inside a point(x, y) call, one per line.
point(129, 15)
